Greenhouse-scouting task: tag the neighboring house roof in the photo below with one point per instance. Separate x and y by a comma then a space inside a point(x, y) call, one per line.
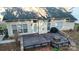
point(15, 13)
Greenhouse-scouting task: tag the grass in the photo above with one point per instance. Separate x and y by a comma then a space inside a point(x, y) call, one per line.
point(55, 49)
point(76, 26)
point(2, 26)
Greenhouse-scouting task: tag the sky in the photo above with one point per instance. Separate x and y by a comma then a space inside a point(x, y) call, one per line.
point(75, 12)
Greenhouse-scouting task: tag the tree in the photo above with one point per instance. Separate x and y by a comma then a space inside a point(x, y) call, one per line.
point(2, 28)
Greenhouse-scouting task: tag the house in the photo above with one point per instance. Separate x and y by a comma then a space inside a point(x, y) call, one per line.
point(29, 22)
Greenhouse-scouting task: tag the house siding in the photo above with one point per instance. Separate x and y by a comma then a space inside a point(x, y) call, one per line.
point(41, 26)
point(9, 27)
point(65, 25)
point(68, 25)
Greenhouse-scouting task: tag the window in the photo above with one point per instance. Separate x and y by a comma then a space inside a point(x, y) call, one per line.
point(34, 21)
point(35, 28)
point(21, 28)
point(67, 20)
point(14, 28)
point(48, 27)
point(24, 28)
point(59, 25)
point(49, 20)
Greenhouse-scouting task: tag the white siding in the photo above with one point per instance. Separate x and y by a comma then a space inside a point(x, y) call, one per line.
point(68, 25)
point(65, 25)
point(9, 27)
point(42, 26)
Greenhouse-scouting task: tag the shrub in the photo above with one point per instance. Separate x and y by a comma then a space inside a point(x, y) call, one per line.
point(77, 28)
point(54, 30)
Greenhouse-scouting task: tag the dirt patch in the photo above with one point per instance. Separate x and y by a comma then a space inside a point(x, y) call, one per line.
point(75, 37)
point(10, 47)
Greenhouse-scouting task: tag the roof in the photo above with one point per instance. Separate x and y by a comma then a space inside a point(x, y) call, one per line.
point(71, 17)
point(24, 14)
point(58, 13)
point(20, 14)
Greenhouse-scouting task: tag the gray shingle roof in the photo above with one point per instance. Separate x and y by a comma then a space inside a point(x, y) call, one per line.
point(58, 13)
point(21, 14)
